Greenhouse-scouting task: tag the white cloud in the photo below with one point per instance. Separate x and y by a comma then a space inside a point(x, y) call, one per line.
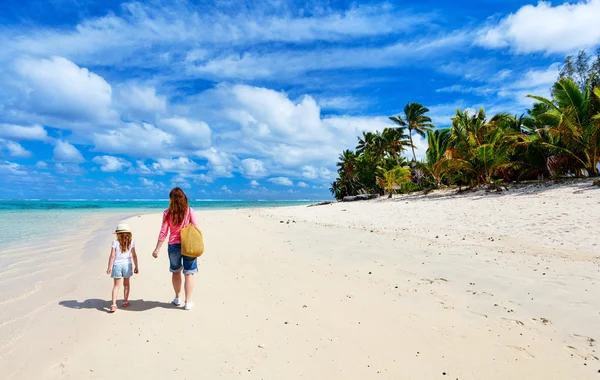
point(179, 181)
point(11, 168)
point(342, 103)
point(41, 165)
point(143, 140)
point(58, 88)
point(311, 172)
point(253, 168)
point(546, 28)
point(139, 102)
point(68, 168)
point(147, 182)
point(282, 181)
point(111, 164)
point(303, 184)
point(292, 63)
point(65, 152)
point(226, 189)
point(20, 132)
point(254, 183)
point(14, 149)
point(189, 133)
point(134, 33)
point(219, 162)
point(176, 165)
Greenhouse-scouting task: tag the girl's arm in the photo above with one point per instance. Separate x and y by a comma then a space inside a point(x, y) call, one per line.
point(111, 259)
point(164, 231)
point(135, 262)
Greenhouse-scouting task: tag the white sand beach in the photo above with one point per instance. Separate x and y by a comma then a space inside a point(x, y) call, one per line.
point(496, 286)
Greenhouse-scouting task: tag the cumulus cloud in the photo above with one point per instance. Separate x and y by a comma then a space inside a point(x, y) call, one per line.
point(302, 184)
point(141, 140)
point(72, 169)
point(190, 134)
point(282, 181)
point(253, 168)
point(546, 28)
point(147, 182)
point(111, 164)
point(220, 163)
point(254, 183)
point(19, 132)
point(58, 88)
point(176, 165)
point(14, 149)
point(137, 102)
point(41, 165)
point(65, 152)
point(225, 189)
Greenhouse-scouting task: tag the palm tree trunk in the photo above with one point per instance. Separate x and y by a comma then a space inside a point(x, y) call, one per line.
point(411, 144)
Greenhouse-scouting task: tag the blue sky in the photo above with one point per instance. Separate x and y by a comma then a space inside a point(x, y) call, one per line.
point(232, 99)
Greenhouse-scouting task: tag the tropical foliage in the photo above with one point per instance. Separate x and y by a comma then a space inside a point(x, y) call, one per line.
point(557, 137)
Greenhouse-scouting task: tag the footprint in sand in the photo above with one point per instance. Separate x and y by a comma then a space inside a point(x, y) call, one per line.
point(581, 354)
point(590, 341)
point(523, 351)
point(542, 320)
point(515, 321)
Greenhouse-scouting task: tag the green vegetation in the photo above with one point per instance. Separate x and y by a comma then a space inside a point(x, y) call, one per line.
point(556, 137)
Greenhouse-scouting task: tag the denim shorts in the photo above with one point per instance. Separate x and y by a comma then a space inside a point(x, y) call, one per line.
point(177, 260)
point(121, 271)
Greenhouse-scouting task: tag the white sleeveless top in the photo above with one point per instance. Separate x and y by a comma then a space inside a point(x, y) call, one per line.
point(122, 257)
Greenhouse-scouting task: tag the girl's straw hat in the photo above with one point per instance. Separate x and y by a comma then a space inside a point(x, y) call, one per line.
point(122, 227)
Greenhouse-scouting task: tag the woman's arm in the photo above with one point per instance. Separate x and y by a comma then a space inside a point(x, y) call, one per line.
point(164, 231)
point(193, 218)
point(159, 244)
point(111, 259)
point(135, 262)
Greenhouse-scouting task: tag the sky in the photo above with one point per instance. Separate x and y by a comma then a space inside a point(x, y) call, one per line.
point(244, 100)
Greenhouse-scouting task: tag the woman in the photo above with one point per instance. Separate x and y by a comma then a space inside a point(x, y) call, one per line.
point(177, 216)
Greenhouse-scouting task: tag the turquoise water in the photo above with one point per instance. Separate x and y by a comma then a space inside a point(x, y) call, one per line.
point(136, 204)
point(33, 220)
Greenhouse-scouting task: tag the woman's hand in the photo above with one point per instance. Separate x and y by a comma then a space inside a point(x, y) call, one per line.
point(155, 254)
point(135, 270)
point(108, 271)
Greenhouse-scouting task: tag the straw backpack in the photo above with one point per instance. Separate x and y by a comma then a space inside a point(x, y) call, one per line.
point(192, 243)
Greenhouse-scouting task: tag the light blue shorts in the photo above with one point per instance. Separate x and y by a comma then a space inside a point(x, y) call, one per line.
point(122, 271)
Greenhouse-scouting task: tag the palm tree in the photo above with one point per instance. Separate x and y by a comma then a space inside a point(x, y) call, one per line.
point(416, 121)
point(573, 119)
point(437, 141)
point(480, 149)
point(391, 179)
point(394, 142)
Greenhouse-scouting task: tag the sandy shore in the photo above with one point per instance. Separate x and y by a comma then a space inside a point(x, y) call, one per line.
point(469, 287)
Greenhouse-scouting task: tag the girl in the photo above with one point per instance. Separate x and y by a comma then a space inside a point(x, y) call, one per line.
point(122, 256)
point(177, 216)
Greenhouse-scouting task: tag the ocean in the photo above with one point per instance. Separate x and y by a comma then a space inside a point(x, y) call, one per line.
point(33, 220)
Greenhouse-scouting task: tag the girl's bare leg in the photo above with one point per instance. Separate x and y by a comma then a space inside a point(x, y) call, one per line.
point(115, 290)
point(126, 289)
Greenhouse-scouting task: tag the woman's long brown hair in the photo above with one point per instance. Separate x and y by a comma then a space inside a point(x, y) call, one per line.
point(178, 206)
point(124, 239)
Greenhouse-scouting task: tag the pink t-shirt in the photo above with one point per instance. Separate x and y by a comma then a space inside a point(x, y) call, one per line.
point(175, 236)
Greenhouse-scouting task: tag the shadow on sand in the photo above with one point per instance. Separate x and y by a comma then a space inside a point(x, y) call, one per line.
point(104, 305)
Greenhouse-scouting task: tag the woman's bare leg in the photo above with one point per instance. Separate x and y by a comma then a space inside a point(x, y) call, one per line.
point(177, 283)
point(189, 287)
